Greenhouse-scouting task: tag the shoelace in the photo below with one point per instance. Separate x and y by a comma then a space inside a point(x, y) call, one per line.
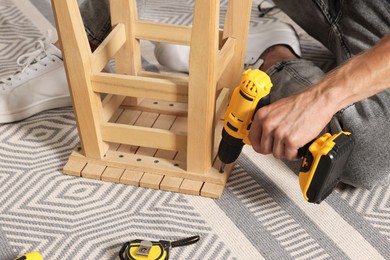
point(29, 61)
point(269, 6)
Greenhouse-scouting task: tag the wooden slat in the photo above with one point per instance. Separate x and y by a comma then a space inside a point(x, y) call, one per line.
point(160, 106)
point(128, 117)
point(144, 119)
point(160, 32)
point(135, 86)
point(141, 136)
point(221, 104)
point(180, 126)
point(108, 48)
point(212, 190)
point(111, 104)
point(163, 122)
point(74, 168)
point(130, 177)
point(225, 55)
point(93, 171)
point(191, 187)
point(170, 183)
point(178, 78)
point(112, 174)
point(150, 180)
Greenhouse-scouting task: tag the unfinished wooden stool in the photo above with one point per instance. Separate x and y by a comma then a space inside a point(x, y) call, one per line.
point(152, 129)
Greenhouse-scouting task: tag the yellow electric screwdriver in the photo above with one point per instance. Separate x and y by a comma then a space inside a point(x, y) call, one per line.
point(322, 160)
point(251, 94)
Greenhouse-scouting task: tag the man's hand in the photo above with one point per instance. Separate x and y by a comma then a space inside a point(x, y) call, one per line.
point(286, 125)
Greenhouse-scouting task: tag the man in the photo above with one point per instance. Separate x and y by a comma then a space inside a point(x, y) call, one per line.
point(353, 97)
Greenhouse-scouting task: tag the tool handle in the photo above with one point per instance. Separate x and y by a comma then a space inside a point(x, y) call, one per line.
point(122, 251)
point(185, 241)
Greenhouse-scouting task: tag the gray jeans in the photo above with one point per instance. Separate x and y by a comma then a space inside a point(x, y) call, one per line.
point(96, 18)
point(345, 27)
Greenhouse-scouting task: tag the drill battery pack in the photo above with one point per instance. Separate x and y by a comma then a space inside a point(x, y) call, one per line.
point(322, 165)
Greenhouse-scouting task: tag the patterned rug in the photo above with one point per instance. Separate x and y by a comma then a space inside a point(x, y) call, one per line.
point(261, 214)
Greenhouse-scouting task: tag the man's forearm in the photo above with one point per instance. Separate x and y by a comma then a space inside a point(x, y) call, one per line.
point(360, 77)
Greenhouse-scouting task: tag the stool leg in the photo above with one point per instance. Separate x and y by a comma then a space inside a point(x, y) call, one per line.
point(236, 25)
point(202, 85)
point(77, 58)
point(128, 58)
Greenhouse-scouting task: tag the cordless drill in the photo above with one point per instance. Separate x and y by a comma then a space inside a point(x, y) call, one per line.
point(251, 94)
point(323, 159)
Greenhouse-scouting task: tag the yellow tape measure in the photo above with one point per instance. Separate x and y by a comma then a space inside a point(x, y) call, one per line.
point(139, 249)
point(30, 256)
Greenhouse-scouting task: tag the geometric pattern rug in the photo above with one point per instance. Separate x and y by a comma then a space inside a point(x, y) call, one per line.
point(261, 214)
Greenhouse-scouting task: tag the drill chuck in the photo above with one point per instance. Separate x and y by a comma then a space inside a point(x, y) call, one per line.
point(229, 148)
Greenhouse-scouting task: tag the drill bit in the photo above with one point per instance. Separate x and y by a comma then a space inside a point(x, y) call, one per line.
point(222, 168)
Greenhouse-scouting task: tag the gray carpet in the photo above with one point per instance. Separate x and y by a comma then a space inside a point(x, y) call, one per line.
point(6, 251)
point(261, 214)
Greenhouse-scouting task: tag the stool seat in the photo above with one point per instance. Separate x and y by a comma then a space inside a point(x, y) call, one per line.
point(154, 130)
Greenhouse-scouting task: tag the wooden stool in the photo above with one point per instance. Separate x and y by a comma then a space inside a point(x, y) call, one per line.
point(167, 136)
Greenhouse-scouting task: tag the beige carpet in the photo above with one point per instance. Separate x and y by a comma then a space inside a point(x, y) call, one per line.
point(261, 215)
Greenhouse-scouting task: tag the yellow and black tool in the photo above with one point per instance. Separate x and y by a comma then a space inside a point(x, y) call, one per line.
point(322, 165)
point(251, 94)
point(323, 159)
point(30, 256)
point(139, 249)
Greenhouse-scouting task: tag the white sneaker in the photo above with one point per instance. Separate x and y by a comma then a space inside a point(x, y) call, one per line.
point(40, 85)
point(260, 38)
point(264, 4)
point(263, 36)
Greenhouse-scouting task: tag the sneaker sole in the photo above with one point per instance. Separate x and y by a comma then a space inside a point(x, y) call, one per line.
point(58, 102)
